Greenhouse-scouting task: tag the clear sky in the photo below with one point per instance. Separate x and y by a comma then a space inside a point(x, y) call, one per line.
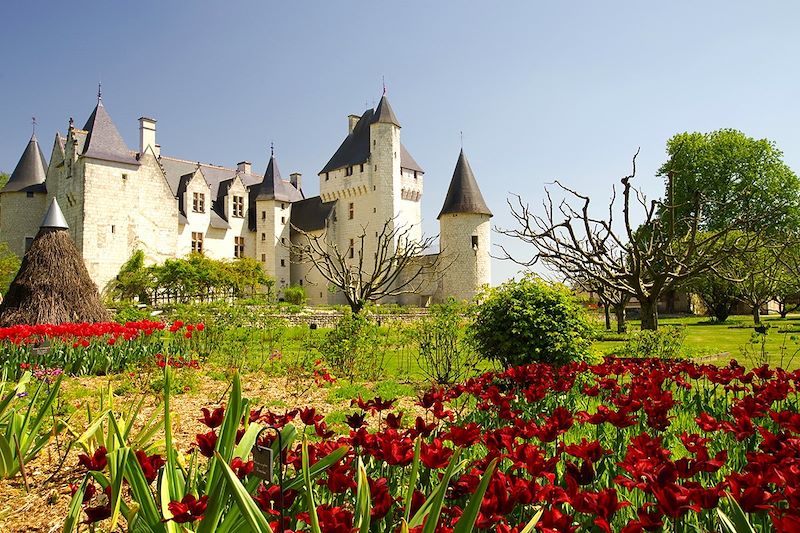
point(541, 90)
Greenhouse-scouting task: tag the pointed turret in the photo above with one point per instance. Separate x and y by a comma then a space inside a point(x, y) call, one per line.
point(384, 113)
point(103, 140)
point(54, 218)
point(464, 195)
point(30, 172)
point(273, 186)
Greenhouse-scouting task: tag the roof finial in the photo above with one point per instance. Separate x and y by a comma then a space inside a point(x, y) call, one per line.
point(99, 93)
point(271, 149)
point(461, 133)
point(33, 122)
point(383, 80)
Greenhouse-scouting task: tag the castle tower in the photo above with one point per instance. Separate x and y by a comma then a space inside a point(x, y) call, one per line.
point(464, 235)
point(273, 202)
point(23, 199)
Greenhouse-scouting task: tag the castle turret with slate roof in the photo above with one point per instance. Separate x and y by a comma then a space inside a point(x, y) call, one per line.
point(116, 200)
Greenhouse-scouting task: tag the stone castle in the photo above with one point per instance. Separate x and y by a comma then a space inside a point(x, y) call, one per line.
point(117, 200)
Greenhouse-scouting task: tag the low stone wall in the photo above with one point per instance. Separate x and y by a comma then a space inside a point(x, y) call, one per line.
point(328, 319)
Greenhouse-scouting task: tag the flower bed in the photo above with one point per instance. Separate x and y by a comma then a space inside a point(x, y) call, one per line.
point(96, 348)
point(626, 445)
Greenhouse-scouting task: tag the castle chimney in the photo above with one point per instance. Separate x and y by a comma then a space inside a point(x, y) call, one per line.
point(244, 167)
point(352, 120)
point(294, 179)
point(147, 135)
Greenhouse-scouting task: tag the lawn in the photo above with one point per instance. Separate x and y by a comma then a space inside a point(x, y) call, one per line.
point(734, 339)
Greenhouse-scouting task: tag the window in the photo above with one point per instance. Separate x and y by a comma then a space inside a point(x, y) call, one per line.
point(352, 249)
point(28, 242)
point(113, 228)
point(263, 215)
point(263, 258)
point(348, 171)
point(415, 174)
point(263, 237)
point(326, 176)
point(283, 240)
point(474, 242)
point(374, 209)
point(283, 206)
point(362, 168)
point(29, 194)
point(238, 206)
point(124, 176)
point(238, 247)
point(283, 262)
point(301, 282)
point(197, 241)
point(198, 202)
point(352, 210)
point(283, 220)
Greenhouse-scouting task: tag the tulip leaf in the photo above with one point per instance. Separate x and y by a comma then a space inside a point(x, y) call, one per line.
point(466, 523)
point(248, 508)
point(412, 480)
point(532, 524)
point(311, 506)
point(737, 522)
point(75, 507)
point(361, 519)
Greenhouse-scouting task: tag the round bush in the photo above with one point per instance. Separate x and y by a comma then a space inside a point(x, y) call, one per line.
point(528, 321)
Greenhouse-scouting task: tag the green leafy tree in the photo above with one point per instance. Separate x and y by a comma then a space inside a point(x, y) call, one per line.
point(295, 295)
point(9, 264)
point(718, 295)
point(527, 321)
point(133, 281)
point(737, 177)
point(3, 179)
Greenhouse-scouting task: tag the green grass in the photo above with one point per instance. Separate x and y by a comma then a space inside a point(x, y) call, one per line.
point(718, 343)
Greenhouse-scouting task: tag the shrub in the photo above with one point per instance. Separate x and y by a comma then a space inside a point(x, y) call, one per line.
point(355, 348)
point(666, 342)
point(295, 295)
point(527, 321)
point(445, 353)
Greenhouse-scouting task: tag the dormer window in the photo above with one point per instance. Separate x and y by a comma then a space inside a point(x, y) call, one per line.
point(199, 202)
point(238, 206)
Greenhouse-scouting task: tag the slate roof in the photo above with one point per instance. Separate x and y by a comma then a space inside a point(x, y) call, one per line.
point(30, 172)
point(464, 195)
point(273, 187)
point(54, 218)
point(103, 140)
point(355, 148)
point(311, 214)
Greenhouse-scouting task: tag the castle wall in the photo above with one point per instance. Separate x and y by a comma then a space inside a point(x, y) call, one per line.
point(20, 217)
point(272, 241)
point(306, 275)
point(465, 270)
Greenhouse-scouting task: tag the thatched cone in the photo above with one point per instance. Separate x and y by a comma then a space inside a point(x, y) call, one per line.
point(52, 285)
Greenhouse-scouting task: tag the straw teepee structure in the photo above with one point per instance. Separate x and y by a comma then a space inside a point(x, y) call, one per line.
point(52, 285)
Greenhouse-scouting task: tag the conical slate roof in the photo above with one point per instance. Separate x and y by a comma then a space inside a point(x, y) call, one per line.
point(30, 172)
point(384, 112)
point(464, 195)
point(103, 140)
point(54, 218)
point(274, 187)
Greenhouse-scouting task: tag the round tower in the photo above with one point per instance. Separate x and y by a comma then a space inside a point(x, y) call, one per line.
point(464, 236)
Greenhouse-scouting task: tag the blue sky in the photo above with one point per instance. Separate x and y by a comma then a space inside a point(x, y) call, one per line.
point(542, 91)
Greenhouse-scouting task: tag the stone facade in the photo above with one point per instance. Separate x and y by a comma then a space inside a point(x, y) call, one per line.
point(117, 201)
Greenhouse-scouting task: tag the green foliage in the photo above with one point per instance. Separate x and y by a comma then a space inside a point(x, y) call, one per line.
point(22, 422)
point(194, 278)
point(527, 321)
point(295, 295)
point(445, 352)
point(9, 264)
point(4, 179)
point(736, 177)
point(666, 342)
point(355, 348)
point(719, 296)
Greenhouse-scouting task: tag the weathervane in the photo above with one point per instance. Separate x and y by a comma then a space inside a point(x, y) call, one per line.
point(272, 149)
point(33, 122)
point(99, 92)
point(383, 80)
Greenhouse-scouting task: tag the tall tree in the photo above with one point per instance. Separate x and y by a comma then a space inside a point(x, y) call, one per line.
point(647, 260)
point(390, 264)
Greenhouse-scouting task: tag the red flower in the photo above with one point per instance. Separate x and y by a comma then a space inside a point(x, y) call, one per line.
point(241, 468)
point(206, 442)
point(188, 509)
point(435, 455)
point(212, 419)
point(150, 464)
point(96, 462)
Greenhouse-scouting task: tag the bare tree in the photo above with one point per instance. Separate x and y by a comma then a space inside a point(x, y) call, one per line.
point(609, 297)
point(644, 260)
point(390, 264)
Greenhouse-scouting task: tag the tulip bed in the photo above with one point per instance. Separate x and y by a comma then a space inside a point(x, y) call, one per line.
point(98, 348)
point(627, 445)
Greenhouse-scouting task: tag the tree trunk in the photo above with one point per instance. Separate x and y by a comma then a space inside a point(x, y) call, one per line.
point(783, 309)
point(608, 315)
point(757, 314)
point(649, 313)
point(619, 312)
